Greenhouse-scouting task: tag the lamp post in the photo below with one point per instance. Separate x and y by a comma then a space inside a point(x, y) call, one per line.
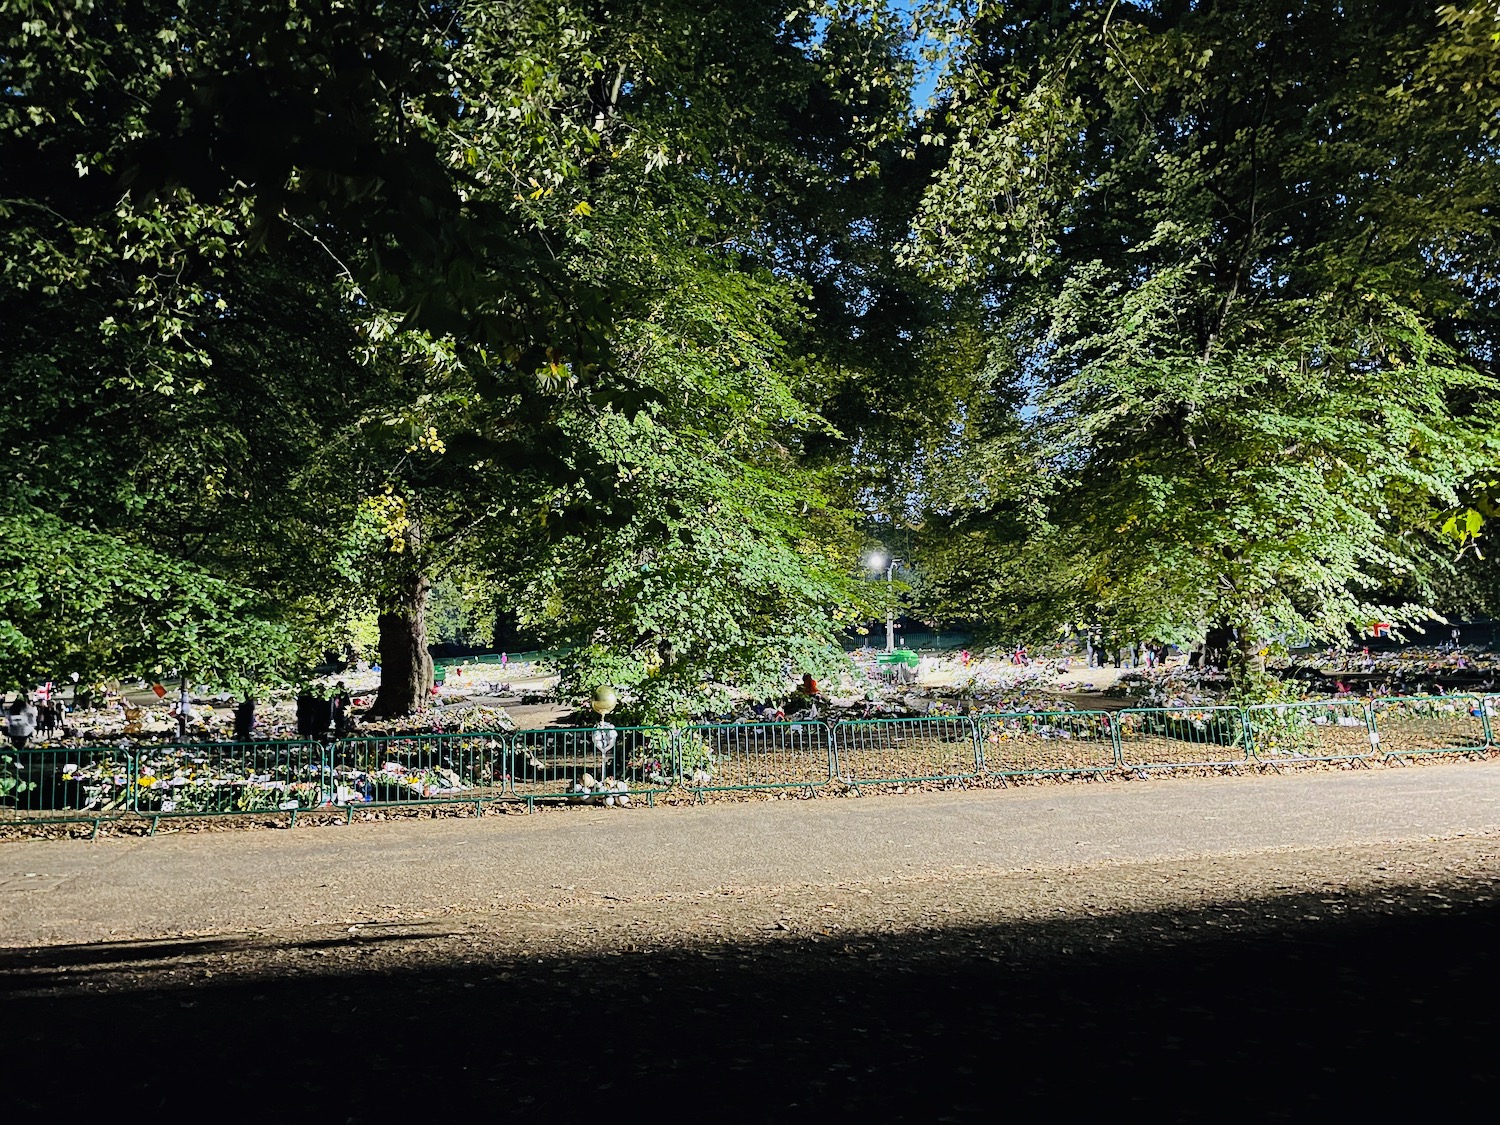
point(878, 562)
point(603, 702)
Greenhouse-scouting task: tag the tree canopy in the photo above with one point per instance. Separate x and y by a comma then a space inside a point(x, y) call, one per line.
point(1237, 258)
point(641, 323)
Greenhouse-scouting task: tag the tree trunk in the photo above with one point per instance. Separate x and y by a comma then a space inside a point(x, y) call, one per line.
point(1248, 667)
point(405, 663)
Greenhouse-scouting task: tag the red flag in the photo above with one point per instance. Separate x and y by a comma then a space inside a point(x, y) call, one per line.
point(161, 692)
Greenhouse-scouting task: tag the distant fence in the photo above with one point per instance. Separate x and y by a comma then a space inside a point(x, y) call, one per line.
point(102, 783)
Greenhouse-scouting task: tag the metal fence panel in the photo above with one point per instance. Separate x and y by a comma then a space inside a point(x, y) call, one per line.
point(935, 748)
point(459, 768)
point(66, 784)
point(1323, 731)
point(215, 778)
point(547, 763)
point(1431, 724)
point(1164, 737)
point(727, 756)
point(1047, 742)
point(51, 785)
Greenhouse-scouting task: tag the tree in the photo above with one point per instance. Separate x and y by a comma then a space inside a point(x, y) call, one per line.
point(1243, 283)
point(188, 190)
point(708, 556)
point(200, 490)
point(690, 444)
point(89, 606)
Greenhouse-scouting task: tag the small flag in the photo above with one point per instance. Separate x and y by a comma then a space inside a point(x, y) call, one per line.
point(161, 692)
point(1381, 629)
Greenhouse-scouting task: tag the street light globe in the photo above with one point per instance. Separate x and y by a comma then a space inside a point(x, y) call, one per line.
point(604, 700)
point(876, 561)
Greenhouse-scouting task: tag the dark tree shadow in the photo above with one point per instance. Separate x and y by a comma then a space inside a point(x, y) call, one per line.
point(57, 965)
point(1150, 1016)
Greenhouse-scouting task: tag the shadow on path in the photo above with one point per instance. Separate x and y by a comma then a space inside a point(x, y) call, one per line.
point(1158, 1016)
point(59, 965)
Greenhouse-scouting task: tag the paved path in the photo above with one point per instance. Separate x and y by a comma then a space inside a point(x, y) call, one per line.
point(77, 891)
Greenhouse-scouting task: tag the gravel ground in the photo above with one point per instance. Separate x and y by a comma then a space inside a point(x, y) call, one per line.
point(1276, 948)
point(1280, 986)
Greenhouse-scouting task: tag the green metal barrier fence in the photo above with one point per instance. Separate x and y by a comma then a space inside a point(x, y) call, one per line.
point(1164, 738)
point(219, 778)
point(424, 769)
point(722, 757)
point(1334, 730)
point(49, 785)
point(1013, 743)
point(892, 751)
point(547, 763)
point(1432, 724)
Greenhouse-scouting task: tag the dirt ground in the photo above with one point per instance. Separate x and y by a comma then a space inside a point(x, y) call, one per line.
point(945, 958)
point(1281, 987)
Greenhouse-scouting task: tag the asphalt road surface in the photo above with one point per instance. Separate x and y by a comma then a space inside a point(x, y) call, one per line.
point(1274, 948)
